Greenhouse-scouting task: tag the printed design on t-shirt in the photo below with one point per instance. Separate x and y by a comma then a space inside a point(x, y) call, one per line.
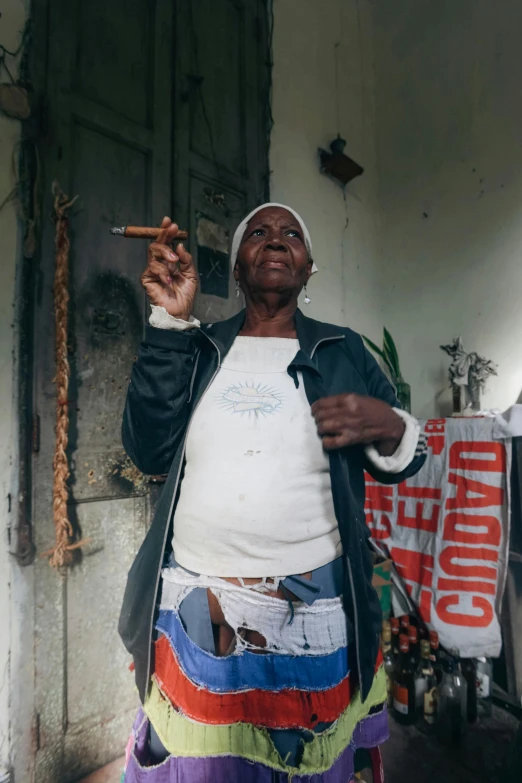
point(251, 398)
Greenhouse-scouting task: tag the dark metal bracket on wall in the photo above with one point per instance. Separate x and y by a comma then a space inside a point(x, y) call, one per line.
point(338, 165)
point(27, 275)
point(28, 424)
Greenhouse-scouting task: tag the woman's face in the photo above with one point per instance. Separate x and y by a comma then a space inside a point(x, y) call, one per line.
point(272, 256)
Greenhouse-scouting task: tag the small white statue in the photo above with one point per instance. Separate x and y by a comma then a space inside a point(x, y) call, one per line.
point(468, 370)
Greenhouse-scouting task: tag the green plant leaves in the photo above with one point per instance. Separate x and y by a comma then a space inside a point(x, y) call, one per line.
point(391, 350)
point(382, 354)
point(388, 353)
point(374, 347)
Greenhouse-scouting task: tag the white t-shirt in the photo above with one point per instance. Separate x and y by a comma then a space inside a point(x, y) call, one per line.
point(256, 497)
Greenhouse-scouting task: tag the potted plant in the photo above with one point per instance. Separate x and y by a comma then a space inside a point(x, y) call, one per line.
point(388, 353)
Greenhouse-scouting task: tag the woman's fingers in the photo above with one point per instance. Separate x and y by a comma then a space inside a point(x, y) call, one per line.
point(158, 271)
point(170, 279)
point(160, 249)
point(163, 252)
point(165, 225)
point(168, 233)
point(331, 442)
point(172, 232)
point(329, 427)
point(336, 402)
point(185, 259)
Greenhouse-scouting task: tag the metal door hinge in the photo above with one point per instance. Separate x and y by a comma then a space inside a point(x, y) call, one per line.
point(25, 548)
point(35, 434)
point(36, 732)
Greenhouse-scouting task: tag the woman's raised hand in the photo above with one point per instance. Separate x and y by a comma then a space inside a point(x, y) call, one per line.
point(170, 279)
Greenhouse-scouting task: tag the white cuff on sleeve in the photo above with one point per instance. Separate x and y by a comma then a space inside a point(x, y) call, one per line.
point(163, 320)
point(405, 451)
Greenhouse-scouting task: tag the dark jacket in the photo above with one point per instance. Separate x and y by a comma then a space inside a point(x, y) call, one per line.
point(169, 378)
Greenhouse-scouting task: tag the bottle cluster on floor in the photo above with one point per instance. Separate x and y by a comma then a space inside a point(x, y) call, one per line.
point(430, 685)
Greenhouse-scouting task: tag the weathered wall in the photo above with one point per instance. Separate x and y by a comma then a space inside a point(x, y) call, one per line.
point(448, 119)
point(16, 596)
point(427, 241)
point(322, 85)
point(11, 590)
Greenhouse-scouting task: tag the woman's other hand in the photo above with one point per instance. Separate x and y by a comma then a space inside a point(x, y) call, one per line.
point(170, 279)
point(347, 419)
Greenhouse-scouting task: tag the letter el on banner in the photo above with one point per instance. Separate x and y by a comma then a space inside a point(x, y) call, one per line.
point(447, 531)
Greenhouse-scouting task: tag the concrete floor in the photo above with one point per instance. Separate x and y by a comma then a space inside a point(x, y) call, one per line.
point(412, 756)
point(109, 774)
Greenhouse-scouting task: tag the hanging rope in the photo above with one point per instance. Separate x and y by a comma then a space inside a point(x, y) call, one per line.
point(61, 555)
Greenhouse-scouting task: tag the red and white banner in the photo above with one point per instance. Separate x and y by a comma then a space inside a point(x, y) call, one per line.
point(447, 531)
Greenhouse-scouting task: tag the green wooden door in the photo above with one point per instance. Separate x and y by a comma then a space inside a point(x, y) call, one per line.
point(152, 107)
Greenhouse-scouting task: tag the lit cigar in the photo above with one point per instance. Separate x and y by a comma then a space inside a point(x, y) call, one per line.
point(143, 232)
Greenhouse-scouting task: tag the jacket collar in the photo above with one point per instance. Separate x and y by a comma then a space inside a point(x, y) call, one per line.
point(223, 333)
point(309, 332)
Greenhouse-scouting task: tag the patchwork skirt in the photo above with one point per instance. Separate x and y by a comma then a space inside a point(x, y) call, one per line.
point(290, 711)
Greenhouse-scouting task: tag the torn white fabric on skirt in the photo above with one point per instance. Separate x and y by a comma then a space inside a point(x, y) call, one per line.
point(184, 582)
point(177, 584)
point(318, 629)
point(314, 630)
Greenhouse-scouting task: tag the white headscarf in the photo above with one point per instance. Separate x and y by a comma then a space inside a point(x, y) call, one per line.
point(240, 230)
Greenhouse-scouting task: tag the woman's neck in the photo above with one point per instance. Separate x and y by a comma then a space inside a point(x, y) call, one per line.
point(266, 319)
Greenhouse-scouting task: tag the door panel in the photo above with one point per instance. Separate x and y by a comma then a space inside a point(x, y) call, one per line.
point(218, 205)
point(132, 134)
point(108, 307)
point(120, 34)
point(217, 57)
point(94, 595)
point(101, 700)
point(220, 122)
point(109, 143)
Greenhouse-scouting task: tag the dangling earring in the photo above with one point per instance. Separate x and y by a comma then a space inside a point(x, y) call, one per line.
point(307, 299)
point(238, 290)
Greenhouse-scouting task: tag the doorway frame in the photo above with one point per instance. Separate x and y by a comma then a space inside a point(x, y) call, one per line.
point(27, 735)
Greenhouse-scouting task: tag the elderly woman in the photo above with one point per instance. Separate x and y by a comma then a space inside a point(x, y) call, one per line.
point(249, 610)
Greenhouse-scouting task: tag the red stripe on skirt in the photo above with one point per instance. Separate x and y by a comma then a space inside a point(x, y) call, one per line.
point(283, 709)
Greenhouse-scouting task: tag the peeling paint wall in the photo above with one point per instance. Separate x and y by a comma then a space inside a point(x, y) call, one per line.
point(427, 97)
point(15, 593)
point(322, 86)
point(448, 125)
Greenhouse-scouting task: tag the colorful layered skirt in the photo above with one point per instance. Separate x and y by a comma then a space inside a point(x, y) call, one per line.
point(290, 711)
